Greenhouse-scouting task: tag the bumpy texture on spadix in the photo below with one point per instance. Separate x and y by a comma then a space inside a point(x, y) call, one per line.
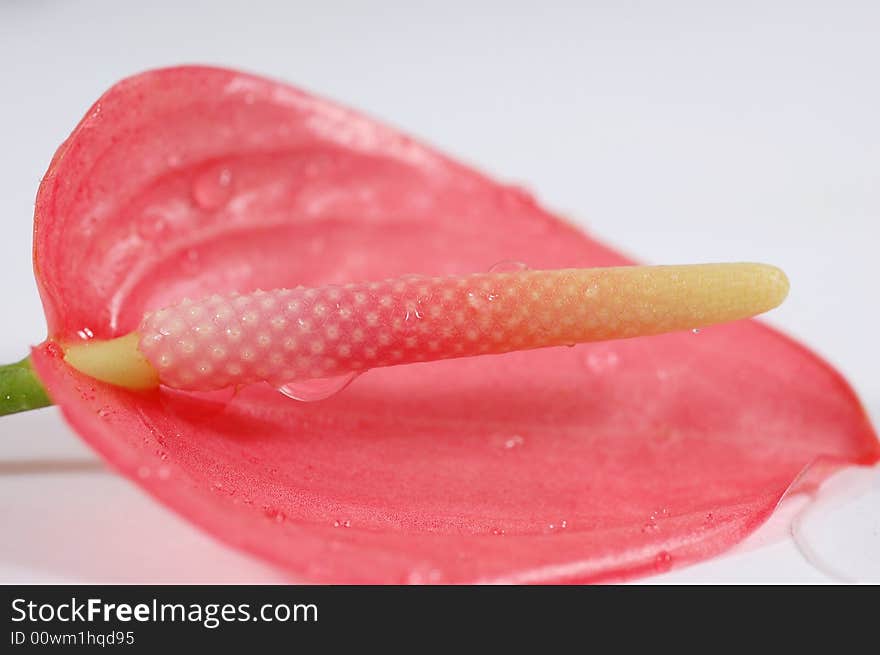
point(285, 335)
point(599, 462)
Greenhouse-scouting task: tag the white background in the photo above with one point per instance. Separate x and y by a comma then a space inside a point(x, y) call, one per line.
point(677, 131)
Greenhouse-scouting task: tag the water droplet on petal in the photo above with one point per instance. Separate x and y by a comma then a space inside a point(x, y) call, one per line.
point(508, 266)
point(696, 331)
point(514, 442)
point(274, 514)
point(191, 261)
point(553, 527)
point(212, 189)
point(599, 362)
point(317, 388)
point(196, 405)
point(663, 561)
point(151, 226)
point(839, 531)
point(424, 576)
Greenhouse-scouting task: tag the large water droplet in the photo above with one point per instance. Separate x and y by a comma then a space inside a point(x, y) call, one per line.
point(317, 388)
point(196, 405)
point(839, 532)
point(212, 189)
point(508, 266)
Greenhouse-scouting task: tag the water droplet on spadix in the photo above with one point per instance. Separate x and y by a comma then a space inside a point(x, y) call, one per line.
point(317, 388)
point(508, 266)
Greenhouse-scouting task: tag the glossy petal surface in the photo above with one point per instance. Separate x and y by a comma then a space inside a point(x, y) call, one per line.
point(598, 462)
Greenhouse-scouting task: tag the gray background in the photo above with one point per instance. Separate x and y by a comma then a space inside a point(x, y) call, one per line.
point(676, 131)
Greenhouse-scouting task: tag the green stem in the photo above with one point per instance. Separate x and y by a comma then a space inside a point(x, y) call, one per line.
point(20, 389)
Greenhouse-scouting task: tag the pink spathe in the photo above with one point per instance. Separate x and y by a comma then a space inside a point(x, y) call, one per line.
point(602, 462)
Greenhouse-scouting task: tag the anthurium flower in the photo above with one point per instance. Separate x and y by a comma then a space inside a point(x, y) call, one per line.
point(604, 461)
